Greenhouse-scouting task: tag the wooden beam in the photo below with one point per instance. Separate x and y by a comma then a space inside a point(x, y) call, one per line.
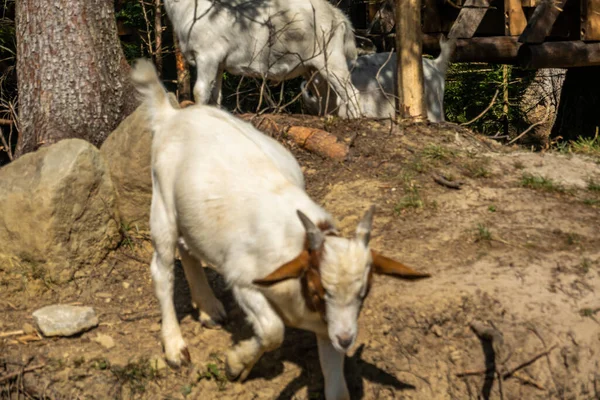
point(411, 101)
point(560, 55)
point(498, 49)
point(514, 18)
point(540, 24)
point(468, 19)
point(590, 20)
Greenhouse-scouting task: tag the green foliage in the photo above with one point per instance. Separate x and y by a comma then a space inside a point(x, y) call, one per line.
point(483, 233)
point(470, 88)
point(540, 183)
point(135, 374)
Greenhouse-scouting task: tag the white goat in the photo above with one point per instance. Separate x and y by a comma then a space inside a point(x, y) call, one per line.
point(225, 193)
point(272, 39)
point(374, 76)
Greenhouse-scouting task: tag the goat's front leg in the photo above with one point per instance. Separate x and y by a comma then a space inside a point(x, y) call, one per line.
point(164, 238)
point(332, 365)
point(268, 330)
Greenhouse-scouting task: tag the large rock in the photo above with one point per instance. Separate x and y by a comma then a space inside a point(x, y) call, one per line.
point(127, 153)
point(58, 209)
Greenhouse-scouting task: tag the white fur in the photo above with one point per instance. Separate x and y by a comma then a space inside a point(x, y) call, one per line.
point(228, 195)
point(377, 92)
point(272, 39)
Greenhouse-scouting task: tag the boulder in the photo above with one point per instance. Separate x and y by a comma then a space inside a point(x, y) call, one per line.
point(127, 151)
point(58, 210)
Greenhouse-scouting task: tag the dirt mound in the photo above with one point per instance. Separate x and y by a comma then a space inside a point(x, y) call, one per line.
point(515, 250)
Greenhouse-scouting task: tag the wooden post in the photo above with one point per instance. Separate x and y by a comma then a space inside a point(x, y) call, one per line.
point(411, 101)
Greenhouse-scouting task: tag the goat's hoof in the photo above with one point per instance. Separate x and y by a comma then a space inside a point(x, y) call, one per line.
point(234, 368)
point(209, 323)
point(180, 358)
point(213, 317)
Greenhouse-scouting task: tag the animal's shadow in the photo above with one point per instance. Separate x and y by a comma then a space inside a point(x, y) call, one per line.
point(299, 347)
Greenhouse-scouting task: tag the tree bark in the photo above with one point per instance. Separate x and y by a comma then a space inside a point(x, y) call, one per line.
point(158, 56)
point(409, 41)
point(184, 90)
point(72, 75)
point(579, 104)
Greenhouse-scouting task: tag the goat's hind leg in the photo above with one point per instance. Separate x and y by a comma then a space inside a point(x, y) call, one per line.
point(164, 236)
point(268, 329)
point(211, 310)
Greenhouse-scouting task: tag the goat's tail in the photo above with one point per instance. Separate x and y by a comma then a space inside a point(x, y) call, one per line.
point(146, 81)
point(447, 47)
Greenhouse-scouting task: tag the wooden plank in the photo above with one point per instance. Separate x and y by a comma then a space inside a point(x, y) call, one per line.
point(590, 20)
point(560, 55)
point(468, 19)
point(411, 100)
point(540, 24)
point(514, 18)
point(529, 3)
point(498, 49)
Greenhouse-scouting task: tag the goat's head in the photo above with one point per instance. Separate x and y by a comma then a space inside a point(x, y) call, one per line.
point(336, 275)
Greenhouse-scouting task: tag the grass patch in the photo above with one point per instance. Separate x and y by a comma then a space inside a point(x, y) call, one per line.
point(436, 152)
point(588, 146)
point(412, 198)
point(518, 164)
point(478, 168)
point(591, 202)
point(593, 186)
point(492, 208)
point(541, 183)
point(585, 266)
point(483, 234)
point(213, 373)
point(135, 374)
point(588, 312)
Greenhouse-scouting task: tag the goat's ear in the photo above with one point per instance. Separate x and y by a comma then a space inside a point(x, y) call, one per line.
point(314, 235)
point(289, 270)
point(387, 266)
point(363, 230)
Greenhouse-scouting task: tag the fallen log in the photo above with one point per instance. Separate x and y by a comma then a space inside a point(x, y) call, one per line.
point(315, 140)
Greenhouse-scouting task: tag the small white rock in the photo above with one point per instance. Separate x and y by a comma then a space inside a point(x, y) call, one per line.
point(64, 320)
point(105, 341)
point(126, 285)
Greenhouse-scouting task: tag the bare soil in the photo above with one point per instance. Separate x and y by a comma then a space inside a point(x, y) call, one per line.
point(510, 250)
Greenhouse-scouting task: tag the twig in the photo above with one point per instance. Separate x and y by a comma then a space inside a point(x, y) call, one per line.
point(13, 375)
point(127, 318)
point(13, 333)
point(528, 381)
point(528, 362)
point(439, 179)
point(4, 121)
point(484, 111)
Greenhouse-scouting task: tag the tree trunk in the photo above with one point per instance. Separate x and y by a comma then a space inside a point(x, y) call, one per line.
point(72, 75)
point(158, 56)
point(411, 101)
point(541, 98)
point(579, 104)
point(184, 91)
